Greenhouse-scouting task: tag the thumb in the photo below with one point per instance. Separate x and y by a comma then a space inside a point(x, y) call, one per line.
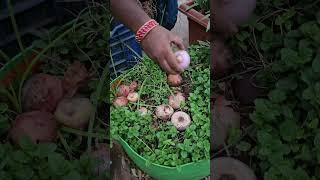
point(178, 42)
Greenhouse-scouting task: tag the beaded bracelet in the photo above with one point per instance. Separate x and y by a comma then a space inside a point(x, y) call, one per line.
point(145, 29)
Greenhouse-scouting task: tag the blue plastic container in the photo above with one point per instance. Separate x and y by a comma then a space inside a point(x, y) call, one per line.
point(125, 50)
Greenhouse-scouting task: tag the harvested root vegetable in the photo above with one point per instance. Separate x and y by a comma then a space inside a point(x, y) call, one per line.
point(74, 112)
point(164, 112)
point(143, 111)
point(180, 120)
point(123, 90)
point(221, 58)
point(120, 101)
point(42, 92)
point(133, 86)
point(183, 59)
point(176, 100)
point(230, 14)
point(75, 76)
point(39, 126)
point(230, 168)
point(102, 154)
point(238, 11)
point(174, 80)
point(133, 97)
point(224, 119)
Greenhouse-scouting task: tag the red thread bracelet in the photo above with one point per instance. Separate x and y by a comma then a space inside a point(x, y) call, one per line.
point(145, 29)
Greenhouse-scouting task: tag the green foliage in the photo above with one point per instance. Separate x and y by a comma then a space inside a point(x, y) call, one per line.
point(65, 158)
point(43, 162)
point(160, 142)
point(286, 122)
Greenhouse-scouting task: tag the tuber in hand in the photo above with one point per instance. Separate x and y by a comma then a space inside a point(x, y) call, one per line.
point(183, 58)
point(42, 92)
point(39, 126)
point(74, 112)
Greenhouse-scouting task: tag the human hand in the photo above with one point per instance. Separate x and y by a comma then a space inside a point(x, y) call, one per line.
point(157, 45)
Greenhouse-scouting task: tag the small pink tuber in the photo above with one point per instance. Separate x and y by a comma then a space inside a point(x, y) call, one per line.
point(42, 92)
point(74, 112)
point(123, 90)
point(133, 86)
point(120, 101)
point(164, 112)
point(176, 100)
point(39, 126)
point(133, 97)
point(174, 80)
point(183, 58)
point(181, 120)
point(143, 111)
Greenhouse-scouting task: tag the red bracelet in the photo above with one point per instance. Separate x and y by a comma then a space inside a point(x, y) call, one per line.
point(145, 29)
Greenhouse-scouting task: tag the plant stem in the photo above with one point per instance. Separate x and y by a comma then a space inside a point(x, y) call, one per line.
point(4, 56)
point(95, 103)
point(65, 144)
point(16, 102)
point(83, 133)
point(14, 24)
point(10, 97)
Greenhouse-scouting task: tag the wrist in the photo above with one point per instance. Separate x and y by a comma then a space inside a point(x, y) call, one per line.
point(145, 29)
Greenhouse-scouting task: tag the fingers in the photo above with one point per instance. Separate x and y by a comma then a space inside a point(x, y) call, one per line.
point(172, 61)
point(165, 66)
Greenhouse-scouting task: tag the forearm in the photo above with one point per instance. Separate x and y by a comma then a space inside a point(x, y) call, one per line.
point(129, 13)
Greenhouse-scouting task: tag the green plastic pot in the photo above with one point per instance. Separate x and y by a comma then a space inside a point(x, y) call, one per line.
point(190, 171)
